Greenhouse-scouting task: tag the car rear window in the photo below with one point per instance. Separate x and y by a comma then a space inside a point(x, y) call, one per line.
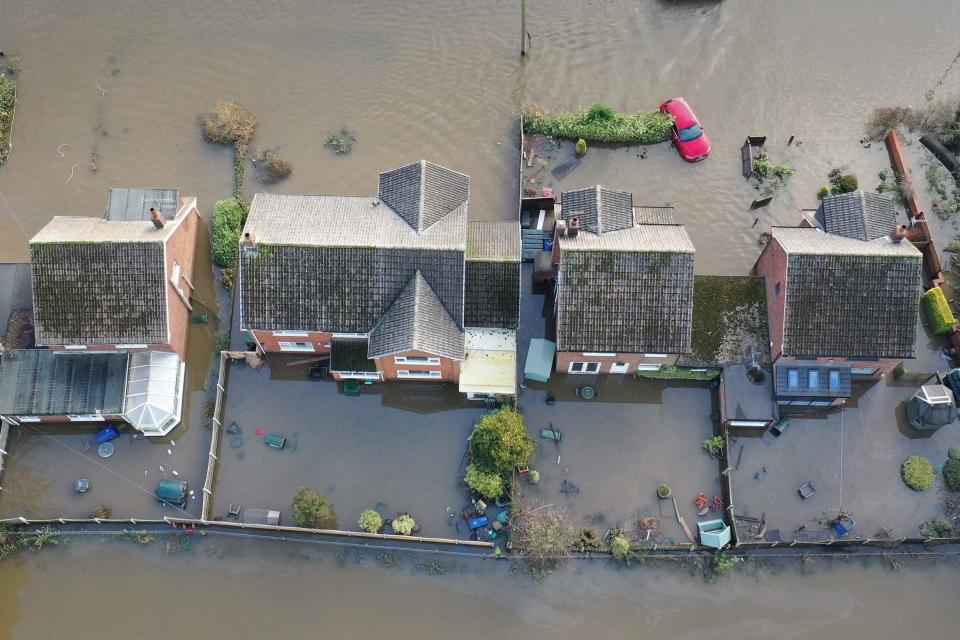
point(690, 133)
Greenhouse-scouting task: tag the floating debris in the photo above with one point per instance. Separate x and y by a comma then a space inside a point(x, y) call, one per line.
point(169, 453)
point(341, 143)
point(174, 472)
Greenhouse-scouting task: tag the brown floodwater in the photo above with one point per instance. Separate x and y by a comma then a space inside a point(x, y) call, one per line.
point(125, 81)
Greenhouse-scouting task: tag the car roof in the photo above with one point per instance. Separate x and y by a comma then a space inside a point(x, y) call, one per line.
point(681, 112)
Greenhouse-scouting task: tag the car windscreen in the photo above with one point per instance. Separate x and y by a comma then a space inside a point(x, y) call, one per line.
point(690, 133)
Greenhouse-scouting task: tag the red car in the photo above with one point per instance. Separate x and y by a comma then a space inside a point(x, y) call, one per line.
point(688, 135)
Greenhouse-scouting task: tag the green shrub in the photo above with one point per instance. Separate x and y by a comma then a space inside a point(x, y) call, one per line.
point(664, 491)
point(823, 193)
point(847, 184)
point(673, 372)
point(230, 123)
point(938, 311)
point(953, 453)
point(488, 485)
point(723, 563)
point(581, 147)
point(272, 168)
point(102, 512)
point(588, 540)
point(534, 476)
point(951, 474)
point(7, 98)
point(620, 547)
point(370, 521)
point(939, 527)
point(600, 124)
point(403, 525)
point(312, 509)
point(714, 446)
point(500, 442)
point(917, 473)
point(225, 228)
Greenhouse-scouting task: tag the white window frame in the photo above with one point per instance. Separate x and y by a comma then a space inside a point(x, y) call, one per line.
point(29, 419)
point(77, 347)
point(296, 347)
point(620, 367)
point(585, 369)
point(349, 335)
point(598, 354)
point(649, 367)
point(132, 346)
point(89, 417)
point(291, 334)
point(424, 360)
point(813, 379)
point(359, 375)
point(863, 371)
point(425, 375)
point(655, 355)
point(175, 278)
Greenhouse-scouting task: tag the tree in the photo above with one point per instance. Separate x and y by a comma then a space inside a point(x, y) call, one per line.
point(545, 536)
point(488, 485)
point(312, 509)
point(500, 442)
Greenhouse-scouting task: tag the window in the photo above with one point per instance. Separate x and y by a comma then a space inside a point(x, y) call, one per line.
point(132, 346)
point(403, 373)
point(813, 379)
point(75, 347)
point(619, 367)
point(600, 354)
point(690, 133)
point(863, 371)
point(296, 346)
point(359, 375)
point(175, 278)
point(776, 289)
point(291, 334)
point(793, 379)
point(834, 380)
point(583, 367)
point(89, 417)
point(415, 360)
point(655, 355)
point(648, 367)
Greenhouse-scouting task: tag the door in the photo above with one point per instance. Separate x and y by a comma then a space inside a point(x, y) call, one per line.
point(619, 367)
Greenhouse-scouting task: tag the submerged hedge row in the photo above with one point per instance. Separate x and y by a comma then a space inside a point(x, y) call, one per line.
point(225, 228)
point(938, 311)
point(600, 123)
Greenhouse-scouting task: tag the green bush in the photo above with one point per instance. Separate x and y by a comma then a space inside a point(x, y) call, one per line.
point(312, 509)
point(714, 446)
point(500, 442)
point(938, 311)
point(488, 485)
point(664, 491)
point(7, 97)
point(917, 473)
point(951, 474)
point(600, 124)
point(403, 525)
point(581, 147)
point(673, 372)
point(370, 521)
point(953, 453)
point(620, 547)
point(228, 219)
point(823, 193)
point(939, 527)
point(847, 184)
point(588, 540)
point(723, 563)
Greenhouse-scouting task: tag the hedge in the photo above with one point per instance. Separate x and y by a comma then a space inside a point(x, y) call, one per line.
point(673, 372)
point(228, 219)
point(599, 124)
point(938, 311)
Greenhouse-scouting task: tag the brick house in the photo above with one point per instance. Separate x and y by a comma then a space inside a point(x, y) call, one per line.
point(119, 284)
point(624, 289)
point(840, 308)
point(373, 284)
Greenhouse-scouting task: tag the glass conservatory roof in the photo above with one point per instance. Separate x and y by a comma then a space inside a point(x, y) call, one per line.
point(154, 391)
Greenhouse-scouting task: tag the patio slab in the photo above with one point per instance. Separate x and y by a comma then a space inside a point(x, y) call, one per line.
point(386, 449)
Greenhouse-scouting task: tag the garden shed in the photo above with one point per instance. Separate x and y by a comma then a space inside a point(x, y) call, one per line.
point(931, 407)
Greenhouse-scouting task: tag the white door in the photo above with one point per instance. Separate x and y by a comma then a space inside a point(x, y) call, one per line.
point(619, 367)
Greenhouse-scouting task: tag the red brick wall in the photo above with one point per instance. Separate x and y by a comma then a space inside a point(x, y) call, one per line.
point(271, 343)
point(449, 369)
point(181, 247)
point(772, 265)
point(564, 358)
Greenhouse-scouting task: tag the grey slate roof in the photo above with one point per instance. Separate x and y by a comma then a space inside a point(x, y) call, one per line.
point(39, 382)
point(803, 388)
point(859, 215)
point(134, 204)
point(417, 321)
point(848, 298)
point(653, 215)
point(337, 263)
point(599, 210)
point(422, 193)
point(497, 241)
point(492, 297)
point(99, 292)
point(627, 301)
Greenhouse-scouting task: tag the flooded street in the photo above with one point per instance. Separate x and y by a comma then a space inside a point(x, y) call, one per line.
point(125, 82)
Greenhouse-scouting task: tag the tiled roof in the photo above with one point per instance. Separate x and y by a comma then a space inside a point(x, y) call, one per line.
point(628, 301)
point(599, 210)
point(492, 297)
point(422, 193)
point(653, 215)
point(39, 382)
point(858, 215)
point(99, 292)
point(134, 204)
point(498, 241)
point(417, 321)
point(645, 237)
point(849, 298)
point(803, 389)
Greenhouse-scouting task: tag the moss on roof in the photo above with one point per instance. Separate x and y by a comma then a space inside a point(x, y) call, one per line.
point(729, 317)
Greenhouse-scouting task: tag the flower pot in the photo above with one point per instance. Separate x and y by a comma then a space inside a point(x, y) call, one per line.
point(663, 491)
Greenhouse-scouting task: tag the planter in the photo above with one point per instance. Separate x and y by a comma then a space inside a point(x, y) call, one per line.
point(663, 491)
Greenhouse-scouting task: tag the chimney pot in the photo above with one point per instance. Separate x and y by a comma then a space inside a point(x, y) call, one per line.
point(157, 218)
point(249, 241)
point(898, 234)
point(574, 227)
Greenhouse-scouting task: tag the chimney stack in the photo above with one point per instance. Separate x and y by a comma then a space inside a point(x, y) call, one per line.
point(899, 233)
point(249, 242)
point(157, 218)
point(574, 227)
